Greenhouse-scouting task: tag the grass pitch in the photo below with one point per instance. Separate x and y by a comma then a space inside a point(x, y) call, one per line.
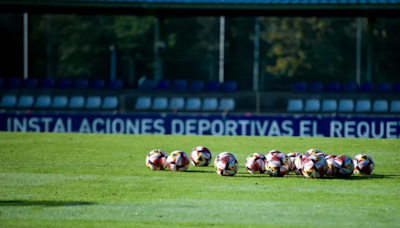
point(66, 180)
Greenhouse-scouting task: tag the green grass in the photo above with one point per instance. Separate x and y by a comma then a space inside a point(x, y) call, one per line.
point(67, 180)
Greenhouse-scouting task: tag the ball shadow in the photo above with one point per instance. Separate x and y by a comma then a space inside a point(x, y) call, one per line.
point(10, 203)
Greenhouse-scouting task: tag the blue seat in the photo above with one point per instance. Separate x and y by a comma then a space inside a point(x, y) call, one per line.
point(367, 87)
point(64, 83)
point(346, 105)
point(180, 85)
point(329, 105)
point(213, 86)
point(81, 83)
point(1, 82)
point(210, 104)
point(93, 102)
point(47, 83)
point(196, 86)
point(380, 106)
point(163, 85)
point(226, 104)
point(160, 103)
point(334, 87)
point(395, 106)
point(147, 84)
point(13, 83)
point(300, 87)
point(230, 86)
point(177, 103)
point(384, 87)
point(76, 102)
point(316, 87)
point(59, 102)
point(143, 103)
point(31, 83)
point(115, 84)
point(43, 101)
point(97, 84)
point(110, 103)
point(8, 101)
point(312, 105)
point(396, 87)
point(25, 101)
point(350, 87)
point(193, 104)
point(363, 106)
point(295, 105)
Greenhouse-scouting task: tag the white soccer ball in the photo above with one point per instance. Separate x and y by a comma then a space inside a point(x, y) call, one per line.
point(314, 166)
point(312, 151)
point(178, 161)
point(226, 164)
point(271, 153)
point(292, 156)
point(298, 164)
point(156, 160)
point(342, 166)
point(223, 153)
point(329, 160)
point(277, 165)
point(200, 156)
point(363, 164)
point(255, 163)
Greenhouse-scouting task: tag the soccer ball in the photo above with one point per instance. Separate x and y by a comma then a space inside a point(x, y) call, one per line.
point(329, 161)
point(292, 156)
point(156, 160)
point(226, 164)
point(255, 163)
point(363, 164)
point(298, 163)
point(271, 153)
point(313, 151)
point(278, 165)
point(200, 156)
point(178, 161)
point(342, 166)
point(314, 166)
point(223, 153)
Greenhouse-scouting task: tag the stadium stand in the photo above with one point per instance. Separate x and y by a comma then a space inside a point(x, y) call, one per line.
point(64, 83)
point(384, 87)
point(329, 105)
point(76, 102)
point(196, 86)
point(363, 106)
point(346, 105)
point(193, 104)
point(115, 84)
point(300, 87)
point(143, 103)
point(180, 85)
point(380, 106)
point(43, 101)
point(395, 106)
point(210, 104)
point(350, 87)
point(230, 86)
point(177, 103)
point(366, 87)
point(147, 84)
point(97, 84)
point(213, 86)
point(312, 105)
point(333, 87)
point(160, 103)
point(93, 102)
point(59, 102)
point(295, 105)
point(31, 83)
point(316, 87)
point(110, 103)
point(396, 87)
point(47, 83)
point(8, 101)
point(25, 101)
point(226, 104)
point(81, 83)
point(13, 83)
point(163, 85)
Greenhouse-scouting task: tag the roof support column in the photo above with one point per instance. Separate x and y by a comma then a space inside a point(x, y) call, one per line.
point(159, 46)
point(371, 26)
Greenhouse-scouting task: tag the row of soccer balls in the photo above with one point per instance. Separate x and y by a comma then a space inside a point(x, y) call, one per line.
point(312, 164)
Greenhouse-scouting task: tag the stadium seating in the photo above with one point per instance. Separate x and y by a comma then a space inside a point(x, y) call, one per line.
point(25, 101)
point(64, 83)
point(76, 102)
point(143, 103)
point(180, 85)
point(226, 104)
point(115, 84)
point(300, 87)
point(329, 105)
point(396, 87)
point(8, 101)
point(31, 83)
point(93, 102)
point(47, 83)
point(193, 104)
point(13, 83)
point(110, 103)
point(196, 86)
point(81, 83)
point(295, 105)
point(349, 87)
point(230, 86)
point(43, 101)
point(334, 87)
point(363, 106)
point(210, 104)
point(160, 103)
point(384, 87)
point(213, 86)
point(346, 105)
point(97, 84)
point(176, 103)
point(147, 84)
point(316, 87)
point(312, 105)
point(367, 87)
point(380, 106)
point(395, 106)
point(163, 85)
point(59, 102)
